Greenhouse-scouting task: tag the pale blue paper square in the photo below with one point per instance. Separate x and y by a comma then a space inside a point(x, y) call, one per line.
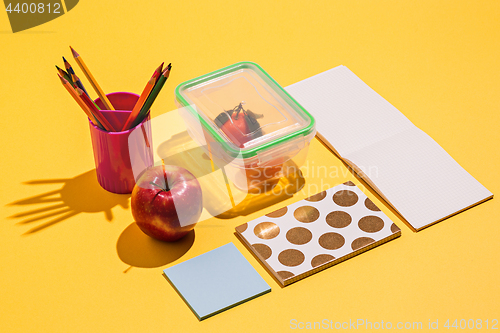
point(216, 281)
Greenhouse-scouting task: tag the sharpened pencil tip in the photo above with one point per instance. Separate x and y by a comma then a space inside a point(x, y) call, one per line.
point(159, 69)
point(65, 59)
point(63, 80)
point(75, 54)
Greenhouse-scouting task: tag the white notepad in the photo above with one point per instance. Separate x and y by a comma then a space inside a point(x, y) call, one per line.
point(401, 162)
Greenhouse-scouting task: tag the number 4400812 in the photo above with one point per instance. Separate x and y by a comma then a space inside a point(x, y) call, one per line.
point(471, 323)
point(34, 8)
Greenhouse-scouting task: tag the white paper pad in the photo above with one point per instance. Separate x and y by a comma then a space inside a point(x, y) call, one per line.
point(402, 163)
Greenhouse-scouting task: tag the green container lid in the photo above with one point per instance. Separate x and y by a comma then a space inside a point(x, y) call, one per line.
point(245, 110)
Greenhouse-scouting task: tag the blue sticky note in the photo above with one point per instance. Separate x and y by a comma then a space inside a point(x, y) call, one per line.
point(216, 281)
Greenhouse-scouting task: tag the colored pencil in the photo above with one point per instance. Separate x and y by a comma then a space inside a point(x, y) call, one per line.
point(159, 70)
point(74, 94)
point(65, 75)
point(79, 83)
point(94, 110)
point(77, 98)
point(74, 78)
point(92, 80)
point(152, 96)
point(144, 95)
point(72, 74)
point(80, 102)
point(110, 114)
point(68, 66)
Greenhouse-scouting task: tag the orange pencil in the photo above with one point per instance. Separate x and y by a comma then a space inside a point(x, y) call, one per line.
point(93, 109)
point(92, 81)
point(159, 70)
point(74, 94)
point(145, 93)
point(80, 102)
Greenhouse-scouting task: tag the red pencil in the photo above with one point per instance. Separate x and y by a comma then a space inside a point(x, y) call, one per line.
point(107, 125)
point(159, 70)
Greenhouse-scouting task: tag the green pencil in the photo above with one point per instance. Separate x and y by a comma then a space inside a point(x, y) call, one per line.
point(152, 96)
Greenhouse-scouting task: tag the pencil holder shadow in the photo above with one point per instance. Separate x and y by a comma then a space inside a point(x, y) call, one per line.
point(116, 152)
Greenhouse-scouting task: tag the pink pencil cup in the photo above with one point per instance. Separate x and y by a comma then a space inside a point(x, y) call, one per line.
point(117, 154)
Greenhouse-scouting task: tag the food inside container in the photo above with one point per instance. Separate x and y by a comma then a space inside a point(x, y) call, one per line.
point(247, 123)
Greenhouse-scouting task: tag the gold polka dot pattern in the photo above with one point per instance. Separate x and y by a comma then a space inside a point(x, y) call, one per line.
point(291, 257)
point(266, 230)
point(285, 274)
point(320, 259)
point(395, 228)
point(361, 242)
point(242, 228)
point(262, 249)
point(317, 197)
point(317, 232)
point(306, 214)
point(331, 241)
point(298, 236)
point(345, 198)
point(338, 219)
point(371, 206)
point(278, 213)
point(371, 223)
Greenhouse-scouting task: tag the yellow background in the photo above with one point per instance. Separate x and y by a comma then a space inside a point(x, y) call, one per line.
point(436, 61)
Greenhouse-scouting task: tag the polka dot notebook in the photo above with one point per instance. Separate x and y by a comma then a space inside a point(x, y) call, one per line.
point(318, 232)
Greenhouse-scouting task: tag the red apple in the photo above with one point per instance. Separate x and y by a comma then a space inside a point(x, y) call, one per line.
point(167, 202)
point(242, 127)
point(237, 130)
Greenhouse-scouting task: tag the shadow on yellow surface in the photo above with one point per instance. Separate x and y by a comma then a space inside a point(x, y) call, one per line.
point(137, 249)
point(80, 194)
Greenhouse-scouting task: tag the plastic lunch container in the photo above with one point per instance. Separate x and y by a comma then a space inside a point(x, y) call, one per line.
point(247, 124)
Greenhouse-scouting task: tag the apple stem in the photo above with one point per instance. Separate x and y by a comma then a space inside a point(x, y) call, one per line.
point(237, 109)
point(165, 176)
point(163, 189)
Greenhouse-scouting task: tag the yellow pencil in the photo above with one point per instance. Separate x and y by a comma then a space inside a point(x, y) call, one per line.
point(91, 79)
